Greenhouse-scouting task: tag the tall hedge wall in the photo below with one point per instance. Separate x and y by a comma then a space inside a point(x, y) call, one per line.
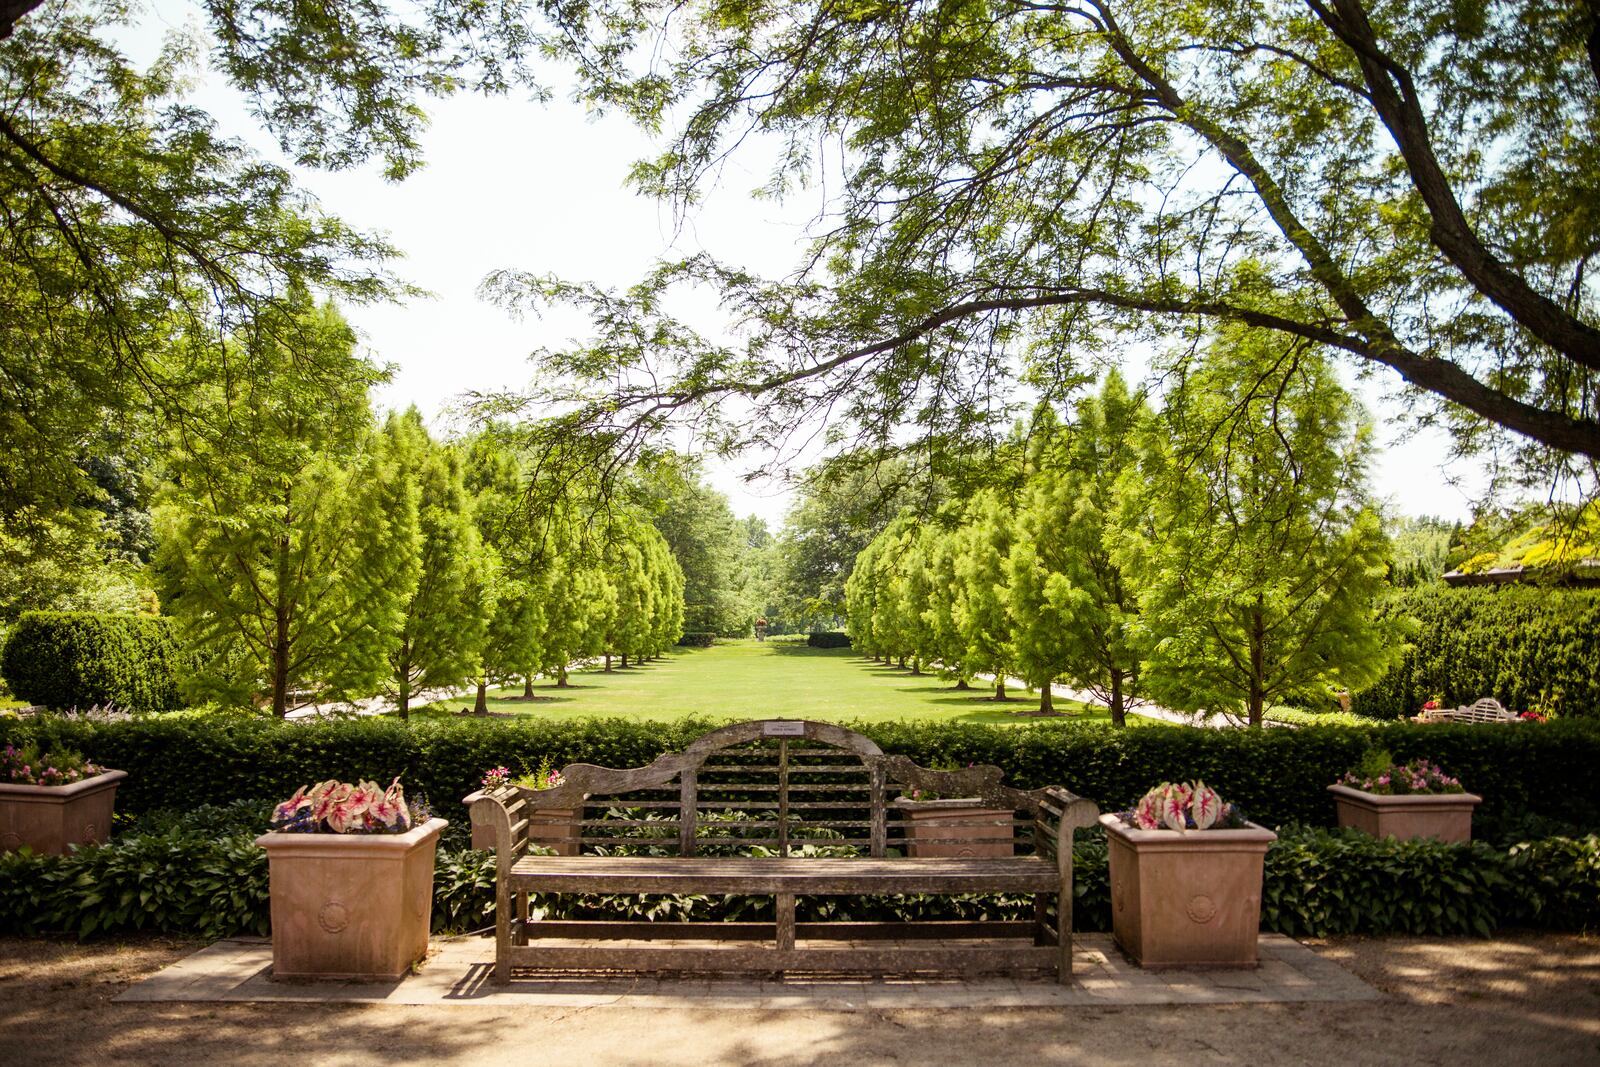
point(1525, 646)
point(66, 659)
point(1278, 775)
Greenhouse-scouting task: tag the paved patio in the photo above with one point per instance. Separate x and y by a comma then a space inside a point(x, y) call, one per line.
point(458, 972)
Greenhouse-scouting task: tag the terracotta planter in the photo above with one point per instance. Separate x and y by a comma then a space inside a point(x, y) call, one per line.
point(351, 905)
point(1443, 816)
point(1186, 900)
point(941, 829)
point(556, 828)
point(49, 818)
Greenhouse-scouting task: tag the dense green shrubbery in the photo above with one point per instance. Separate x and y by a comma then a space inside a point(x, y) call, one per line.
point(828, 639)
point(697, 640)
point(1278, 776)
point(65, 659)
point(1529, 648)
point(201, 874)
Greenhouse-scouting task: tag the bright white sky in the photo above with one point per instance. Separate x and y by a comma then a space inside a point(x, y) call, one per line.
point(512, 184)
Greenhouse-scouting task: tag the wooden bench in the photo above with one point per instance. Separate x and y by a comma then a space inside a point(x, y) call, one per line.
point(745, 811)
point(1484, 709)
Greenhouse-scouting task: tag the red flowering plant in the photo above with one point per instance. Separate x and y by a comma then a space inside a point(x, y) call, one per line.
point(335, 807)
point(1379, 773)
point(1533, 716)
point(29, 765)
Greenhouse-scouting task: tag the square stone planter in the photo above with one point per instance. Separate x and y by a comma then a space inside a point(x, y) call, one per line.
point(49, 818)
point(1186, 900)
point(351, 905)
point(959, 828)
point(557, 828)
point(1442, 816)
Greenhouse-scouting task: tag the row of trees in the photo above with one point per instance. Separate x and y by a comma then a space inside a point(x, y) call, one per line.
point(307, 551)
point(1221, 554)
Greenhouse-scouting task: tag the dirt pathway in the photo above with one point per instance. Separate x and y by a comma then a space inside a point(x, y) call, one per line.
point(1524, 999)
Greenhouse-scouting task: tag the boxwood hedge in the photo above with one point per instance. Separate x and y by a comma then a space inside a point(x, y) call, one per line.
point(1279, 776)
point(66, 659)
point(1530, 648)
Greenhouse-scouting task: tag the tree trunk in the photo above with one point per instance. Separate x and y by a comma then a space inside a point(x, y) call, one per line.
point(527, 686)
point(624, 663)
point(1256, 699)
point(561, 678)
point(916, 665)
point(403, 701)
point(1047, 702)
point(608, 663)
point(902, 663)
point(962, 684)
point(281, 617)
point(1000, 686)
point(1119, 715)
point(481, 705)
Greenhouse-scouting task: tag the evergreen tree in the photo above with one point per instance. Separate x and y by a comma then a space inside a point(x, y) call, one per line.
point(285, 563)
point(983, 550)
point(945, 643)
point(440, 639)
point(1256, 555)
point(1074, 610)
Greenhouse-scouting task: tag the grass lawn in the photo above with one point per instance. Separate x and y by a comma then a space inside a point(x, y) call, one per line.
point(766, 680)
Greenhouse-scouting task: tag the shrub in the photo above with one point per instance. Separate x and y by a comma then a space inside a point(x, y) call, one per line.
point(829, 639)
point(65, 659)
point(1529, 648)
point(1277, 776)
point(697, 639)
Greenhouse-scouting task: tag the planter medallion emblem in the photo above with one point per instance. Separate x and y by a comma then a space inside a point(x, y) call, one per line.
point(333, 917)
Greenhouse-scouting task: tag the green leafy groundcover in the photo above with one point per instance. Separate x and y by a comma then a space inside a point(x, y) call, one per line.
point(200, 873)
point(1279, 776)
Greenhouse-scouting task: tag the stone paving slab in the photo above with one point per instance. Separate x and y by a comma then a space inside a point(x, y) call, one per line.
point(459, 970)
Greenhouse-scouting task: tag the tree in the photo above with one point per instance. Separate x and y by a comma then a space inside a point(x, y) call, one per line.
point(1074, 609)
point(287, 543)
point(139, 240)
point(1256, 557)
point(1015, 170)
point(983, 548)
point(946, 646)
point(708, 543)
point(441, 631)
point(512, 640)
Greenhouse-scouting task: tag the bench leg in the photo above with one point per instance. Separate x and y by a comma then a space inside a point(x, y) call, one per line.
point(1064, 935)
point(1041, 920)
point(522, 919)
point(785, 917)
point(502, 933)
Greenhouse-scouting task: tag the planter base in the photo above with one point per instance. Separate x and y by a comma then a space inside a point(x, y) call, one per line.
point(1444, 817)
point(50, 818)
point(1187, 900)
point(352, 906)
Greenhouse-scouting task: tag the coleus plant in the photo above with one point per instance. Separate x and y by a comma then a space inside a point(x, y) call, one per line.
point(336, 807)
point(1183, 806)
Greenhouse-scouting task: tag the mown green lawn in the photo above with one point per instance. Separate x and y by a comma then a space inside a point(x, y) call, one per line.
point(763, 680)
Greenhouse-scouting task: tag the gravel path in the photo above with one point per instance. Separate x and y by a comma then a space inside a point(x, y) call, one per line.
point(1524, 999)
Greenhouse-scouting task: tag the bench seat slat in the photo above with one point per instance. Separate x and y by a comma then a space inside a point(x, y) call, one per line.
point(803, 876)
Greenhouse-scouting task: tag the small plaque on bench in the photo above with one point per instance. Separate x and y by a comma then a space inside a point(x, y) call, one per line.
point(783, 729)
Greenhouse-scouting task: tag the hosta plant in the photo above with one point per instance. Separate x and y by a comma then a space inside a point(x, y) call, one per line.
point(29, 765)
point(1183, 806)
point(1379, 773)
point(335, 807)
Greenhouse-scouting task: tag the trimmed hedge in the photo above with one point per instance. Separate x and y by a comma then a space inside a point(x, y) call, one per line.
point(66, 659)
point(1528, 647)
point(697, 640)
point(1279, 776)
point(829, 639)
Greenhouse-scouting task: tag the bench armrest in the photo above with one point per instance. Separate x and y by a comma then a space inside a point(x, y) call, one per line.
point(489, 809)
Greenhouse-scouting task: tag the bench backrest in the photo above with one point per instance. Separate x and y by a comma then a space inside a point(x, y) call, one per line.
point(778, 787)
